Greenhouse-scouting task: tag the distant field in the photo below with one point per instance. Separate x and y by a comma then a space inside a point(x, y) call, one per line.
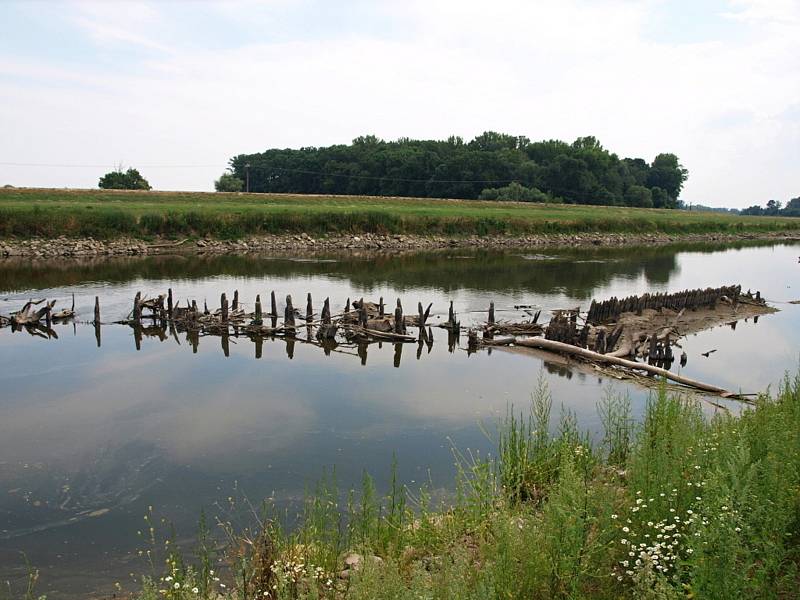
point(108, 214)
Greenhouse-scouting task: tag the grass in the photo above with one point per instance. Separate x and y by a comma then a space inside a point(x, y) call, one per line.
point(676, 506)
point(104, 214)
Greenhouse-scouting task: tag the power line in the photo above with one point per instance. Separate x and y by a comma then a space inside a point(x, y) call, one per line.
point(105, 166)
point(273, 168)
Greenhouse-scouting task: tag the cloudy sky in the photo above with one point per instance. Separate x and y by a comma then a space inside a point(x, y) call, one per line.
point(177, 88)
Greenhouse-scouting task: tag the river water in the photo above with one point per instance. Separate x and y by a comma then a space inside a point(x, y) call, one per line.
point(92, 435)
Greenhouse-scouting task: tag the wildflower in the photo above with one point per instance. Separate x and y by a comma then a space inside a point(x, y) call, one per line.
point(177, 586)
point(195, 590)
point(613, 516)
point(626, 529)
point(689, 550)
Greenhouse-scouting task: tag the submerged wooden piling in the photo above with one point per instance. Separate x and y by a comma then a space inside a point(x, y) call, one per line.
point(288, 314)
point(223, 301)
point(169, 303)
point(399, 324)
point(273, 305)
point(137, 307)
point(491, 313)
point(257, 320)
point(309, 308)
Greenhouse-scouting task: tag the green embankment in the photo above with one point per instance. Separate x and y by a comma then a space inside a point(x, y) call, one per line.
point(47, 213)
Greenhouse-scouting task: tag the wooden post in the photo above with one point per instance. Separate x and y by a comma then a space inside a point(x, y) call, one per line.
point(309, 309)
point(273, 305)
point(347, 306)
point(288, 315)
point(97, 310)
point(451, 315)
point(362, 314)
point(258, 320)
point(491, 313)
point(235, 304)
point(223, 300)
point(381, 307)
point(137, 307)
point(205, 308)
point(169, 303)
point(326, 312)
point(399, 325)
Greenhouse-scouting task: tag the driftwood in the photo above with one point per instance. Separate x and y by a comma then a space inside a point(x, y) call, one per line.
point(596, 357)
point(66, 313)
point(30, 316)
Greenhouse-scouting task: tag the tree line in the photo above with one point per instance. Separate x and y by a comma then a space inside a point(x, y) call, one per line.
point(775, 209)
point(493, 166)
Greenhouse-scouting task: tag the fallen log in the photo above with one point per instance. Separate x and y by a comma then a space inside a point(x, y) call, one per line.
point(596, 357)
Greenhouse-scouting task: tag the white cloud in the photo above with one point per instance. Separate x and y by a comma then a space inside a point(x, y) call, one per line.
point(544, 69)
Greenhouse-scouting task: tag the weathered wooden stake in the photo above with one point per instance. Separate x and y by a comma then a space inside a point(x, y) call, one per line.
point(258, 320)
point(137, 307)
point(326, 312)
point(97, 310)
point(235, 304)
point(223, 301)
point(399, 323)
point(273, 305)
point(169, 303)
point(362, 314)
point(309, 308)
point(381, 307)
point(288, 315)
point(347, 306)
point(491, 313)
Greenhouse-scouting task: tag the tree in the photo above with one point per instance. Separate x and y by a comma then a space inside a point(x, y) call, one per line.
point(668, 174)
point(228, 182)
point(119, 180)
point(581, 172)
point(792, 208)
point(638, 195)
point(773, 207)
point(515, 192)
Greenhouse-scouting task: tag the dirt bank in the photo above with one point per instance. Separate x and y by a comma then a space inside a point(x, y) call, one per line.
point(70, 247)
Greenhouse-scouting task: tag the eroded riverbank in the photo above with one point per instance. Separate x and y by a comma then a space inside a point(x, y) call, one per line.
point(87, 247)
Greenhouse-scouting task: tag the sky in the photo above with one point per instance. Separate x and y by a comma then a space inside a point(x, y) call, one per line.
point(176, 88)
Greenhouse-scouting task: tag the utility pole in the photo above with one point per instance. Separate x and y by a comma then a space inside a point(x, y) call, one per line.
point(247, 176)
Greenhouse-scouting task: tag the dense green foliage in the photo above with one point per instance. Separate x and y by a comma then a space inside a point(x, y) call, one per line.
point(773, 209)
point(123, 180)
point(108, 214)
point(677, 506)
point(228, 182)
point(579, 173)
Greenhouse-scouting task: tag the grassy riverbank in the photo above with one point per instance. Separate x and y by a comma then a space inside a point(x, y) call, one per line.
point(45, 213)
point(679, 506)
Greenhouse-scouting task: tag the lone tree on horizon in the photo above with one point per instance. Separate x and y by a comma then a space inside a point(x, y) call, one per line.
point(127, 180)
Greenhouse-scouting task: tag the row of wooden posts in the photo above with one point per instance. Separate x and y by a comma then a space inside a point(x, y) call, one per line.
point(611, 309)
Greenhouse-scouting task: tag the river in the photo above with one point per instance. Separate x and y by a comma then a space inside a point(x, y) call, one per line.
point(93, 433)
